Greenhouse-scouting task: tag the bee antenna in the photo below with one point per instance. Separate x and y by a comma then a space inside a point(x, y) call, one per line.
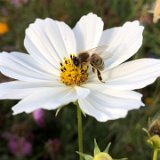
point(71, 56)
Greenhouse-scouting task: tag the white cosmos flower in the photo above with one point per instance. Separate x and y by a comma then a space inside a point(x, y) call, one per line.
point(38, 75)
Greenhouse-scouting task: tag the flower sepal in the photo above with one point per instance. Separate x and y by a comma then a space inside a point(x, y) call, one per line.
point(85, 156)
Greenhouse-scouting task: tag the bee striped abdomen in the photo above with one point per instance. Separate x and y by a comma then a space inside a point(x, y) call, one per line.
point(97, 62)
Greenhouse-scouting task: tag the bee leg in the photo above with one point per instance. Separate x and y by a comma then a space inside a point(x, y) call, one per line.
point(93, 70)
point(99, 76)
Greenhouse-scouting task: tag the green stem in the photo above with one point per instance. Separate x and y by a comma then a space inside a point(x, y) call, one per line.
point(155, 153)
point(80, 137)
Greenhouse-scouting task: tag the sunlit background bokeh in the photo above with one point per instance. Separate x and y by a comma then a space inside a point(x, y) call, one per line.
point(42, 135)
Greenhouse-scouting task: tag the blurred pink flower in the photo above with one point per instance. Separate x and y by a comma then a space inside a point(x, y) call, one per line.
point(4, 11)
point(53, 146)
point(38, 116)
point(18, 3)
point(19, 146)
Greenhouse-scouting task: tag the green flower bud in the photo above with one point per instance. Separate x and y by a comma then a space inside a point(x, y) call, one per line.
point(154, 142)
point(102, 156)
point(98, 154)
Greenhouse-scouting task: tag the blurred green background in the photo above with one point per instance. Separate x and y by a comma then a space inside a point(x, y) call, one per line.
point(56, 139)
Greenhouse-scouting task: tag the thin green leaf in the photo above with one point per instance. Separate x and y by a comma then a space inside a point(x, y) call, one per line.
point(146, 131)
point(57, 111)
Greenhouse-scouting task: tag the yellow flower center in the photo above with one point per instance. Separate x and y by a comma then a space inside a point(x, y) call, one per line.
point(70, 74)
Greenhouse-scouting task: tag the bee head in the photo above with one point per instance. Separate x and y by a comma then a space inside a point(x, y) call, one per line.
point(76, 61)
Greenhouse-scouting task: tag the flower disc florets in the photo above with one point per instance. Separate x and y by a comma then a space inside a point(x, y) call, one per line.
point(71, 74)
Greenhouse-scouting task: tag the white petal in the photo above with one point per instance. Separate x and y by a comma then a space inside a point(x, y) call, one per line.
point(47, 98)
point(133, 75)
point(88, 108)
point(123, 96)
point(110, 104)
point(19, 89)
point(23, 67)
point(35, 64)
point(49, 41)
point(82, 92)
point(109, 35)
point(88, 31)
point(123, 42)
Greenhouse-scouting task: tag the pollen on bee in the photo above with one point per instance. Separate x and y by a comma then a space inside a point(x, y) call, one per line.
point(71, 74)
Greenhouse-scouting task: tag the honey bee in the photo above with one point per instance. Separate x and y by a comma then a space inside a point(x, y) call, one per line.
point(92, 57)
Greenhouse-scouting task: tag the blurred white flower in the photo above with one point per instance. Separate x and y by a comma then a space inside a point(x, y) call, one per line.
point(48, 78)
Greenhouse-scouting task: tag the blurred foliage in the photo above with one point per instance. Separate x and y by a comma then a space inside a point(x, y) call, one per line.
point(126, 134)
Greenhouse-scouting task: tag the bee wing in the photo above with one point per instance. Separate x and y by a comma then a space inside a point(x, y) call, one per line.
point(100, 50)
